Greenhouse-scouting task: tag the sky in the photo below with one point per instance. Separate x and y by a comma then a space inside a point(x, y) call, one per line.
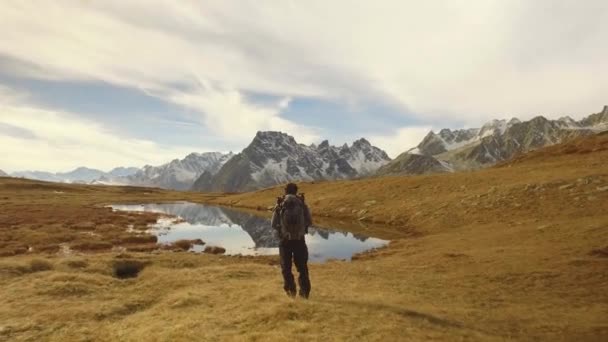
point(128, 83)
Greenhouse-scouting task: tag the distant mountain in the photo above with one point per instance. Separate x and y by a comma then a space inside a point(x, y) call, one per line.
point(123, 171)
point(178, 174)
point(38, 175)
point(3, 174)
point(274, 157)
point(496, 141)
point(79, 175)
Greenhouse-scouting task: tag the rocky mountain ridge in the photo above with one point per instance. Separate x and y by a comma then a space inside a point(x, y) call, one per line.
point(178, 174)
point(496, 141)
point(274, 158)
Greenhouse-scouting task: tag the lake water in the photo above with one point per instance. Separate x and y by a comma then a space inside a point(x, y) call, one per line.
point(243, 233)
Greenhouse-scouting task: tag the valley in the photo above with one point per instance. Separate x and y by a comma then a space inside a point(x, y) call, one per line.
point(513, 252)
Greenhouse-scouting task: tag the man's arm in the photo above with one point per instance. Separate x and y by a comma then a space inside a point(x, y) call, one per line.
point(275, 223)
point(307, 217)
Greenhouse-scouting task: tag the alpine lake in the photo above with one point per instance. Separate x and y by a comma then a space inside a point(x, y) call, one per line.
point(243, 233)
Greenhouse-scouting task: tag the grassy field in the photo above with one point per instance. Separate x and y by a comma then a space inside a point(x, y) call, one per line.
point(516, 252)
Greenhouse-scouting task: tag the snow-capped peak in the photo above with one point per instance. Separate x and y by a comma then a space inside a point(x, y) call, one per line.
point(276, 157)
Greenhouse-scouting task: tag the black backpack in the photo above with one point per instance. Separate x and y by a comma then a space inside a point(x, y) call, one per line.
point(293, 223)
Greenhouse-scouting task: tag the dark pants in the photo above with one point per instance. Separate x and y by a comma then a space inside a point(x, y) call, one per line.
point(296, 251)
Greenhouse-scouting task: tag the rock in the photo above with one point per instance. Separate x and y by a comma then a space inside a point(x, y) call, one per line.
point(566, 186)
point(270, 208)
point(215, 250)
point(602, 188)
point(341, 210)
point(362, 212)
point(591, 198)
point(370, 203)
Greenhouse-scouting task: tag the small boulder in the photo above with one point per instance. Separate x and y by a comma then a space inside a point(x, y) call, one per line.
point(215, 250)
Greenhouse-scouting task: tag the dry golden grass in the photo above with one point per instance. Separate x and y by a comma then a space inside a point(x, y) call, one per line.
point(511, 253)
point(41, 216)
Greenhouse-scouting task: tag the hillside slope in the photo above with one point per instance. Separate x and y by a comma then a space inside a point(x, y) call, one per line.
point(512, 253)
point(557, 181)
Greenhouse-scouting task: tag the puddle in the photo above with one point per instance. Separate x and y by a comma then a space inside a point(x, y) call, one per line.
point(242, 233)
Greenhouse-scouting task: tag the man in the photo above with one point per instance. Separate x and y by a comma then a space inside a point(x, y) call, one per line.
point(291, 219)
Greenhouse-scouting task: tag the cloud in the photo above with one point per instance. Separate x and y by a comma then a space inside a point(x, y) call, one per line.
point(60, 141)
point(436, 61)
point(467, 59)
point(232, 115)
point(400, 140)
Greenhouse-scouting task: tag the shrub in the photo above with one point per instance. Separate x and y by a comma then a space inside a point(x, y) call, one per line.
point(183, 244)
point(124, 269)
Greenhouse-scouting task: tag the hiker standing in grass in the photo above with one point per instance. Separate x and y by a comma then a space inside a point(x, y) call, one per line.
point(291, 219)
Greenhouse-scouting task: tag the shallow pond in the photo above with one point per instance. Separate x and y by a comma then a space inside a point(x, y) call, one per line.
point(242, 233)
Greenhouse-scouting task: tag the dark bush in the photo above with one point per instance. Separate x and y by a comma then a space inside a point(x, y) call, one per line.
point(124, 269)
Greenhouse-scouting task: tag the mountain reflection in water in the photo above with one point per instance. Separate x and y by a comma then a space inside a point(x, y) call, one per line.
point(243, 233)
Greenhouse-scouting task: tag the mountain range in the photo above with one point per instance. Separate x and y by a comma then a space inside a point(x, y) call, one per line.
point(3, 174)
point(79, 175)
point(496, 141)
point(178, 174)
point(274, 157)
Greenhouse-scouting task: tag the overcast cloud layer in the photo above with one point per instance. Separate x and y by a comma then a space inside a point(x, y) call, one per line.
point(230, 68)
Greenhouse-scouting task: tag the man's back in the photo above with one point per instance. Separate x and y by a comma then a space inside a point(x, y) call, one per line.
point(291, 219)
point(290, 208)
